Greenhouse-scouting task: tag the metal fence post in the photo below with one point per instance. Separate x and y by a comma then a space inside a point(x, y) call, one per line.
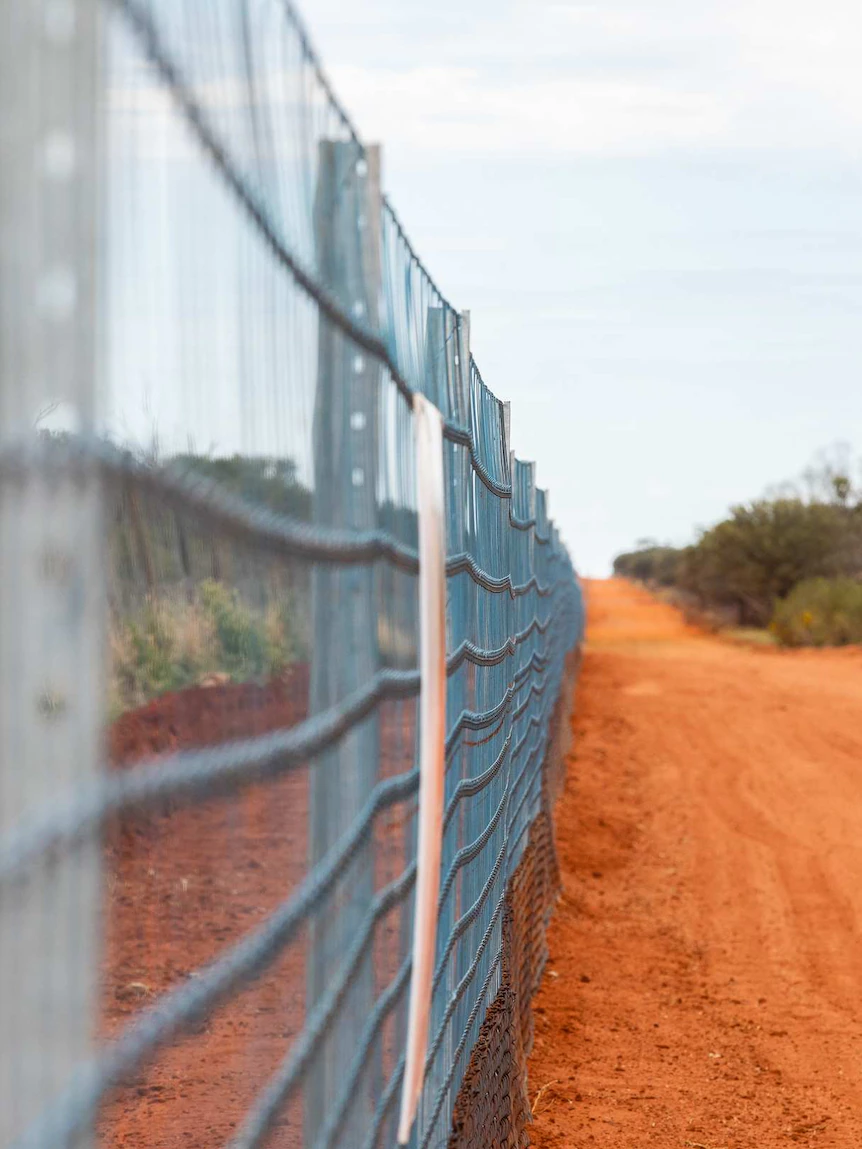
point(344, 601)
point(51, 568)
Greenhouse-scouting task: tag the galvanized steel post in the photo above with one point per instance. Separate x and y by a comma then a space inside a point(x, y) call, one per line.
point(345, 606)
point(51, 565)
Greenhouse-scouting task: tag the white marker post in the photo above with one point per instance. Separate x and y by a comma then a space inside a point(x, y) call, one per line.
point(428, 425)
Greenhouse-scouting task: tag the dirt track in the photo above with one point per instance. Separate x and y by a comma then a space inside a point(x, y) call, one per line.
point(705, 988)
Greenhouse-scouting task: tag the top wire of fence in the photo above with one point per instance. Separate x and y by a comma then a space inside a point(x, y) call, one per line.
point(209, 687)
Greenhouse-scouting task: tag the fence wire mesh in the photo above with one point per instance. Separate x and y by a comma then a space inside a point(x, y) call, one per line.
point(226, 889)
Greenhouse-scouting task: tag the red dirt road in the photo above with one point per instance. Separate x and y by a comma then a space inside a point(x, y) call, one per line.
point(705, 987)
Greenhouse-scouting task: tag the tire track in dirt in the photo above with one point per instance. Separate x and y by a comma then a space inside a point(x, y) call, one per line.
point(705, 983)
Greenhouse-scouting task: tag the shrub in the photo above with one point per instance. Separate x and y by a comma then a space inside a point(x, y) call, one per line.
point(170, 643)
point(250, 644)
point(241, 636)
point(820, 612)
point(653, 564)
point(269, 482)
point(762, 551)
point(153, 653)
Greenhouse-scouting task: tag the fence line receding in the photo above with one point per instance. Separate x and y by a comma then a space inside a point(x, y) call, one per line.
point(212, 326)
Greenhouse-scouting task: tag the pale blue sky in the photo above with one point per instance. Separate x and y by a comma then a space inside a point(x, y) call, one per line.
point(652, 210)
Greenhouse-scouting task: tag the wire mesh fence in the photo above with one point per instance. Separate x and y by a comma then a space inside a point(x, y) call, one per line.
point(209, 683)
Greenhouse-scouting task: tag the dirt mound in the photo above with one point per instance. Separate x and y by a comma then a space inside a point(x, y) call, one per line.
point(205, 715)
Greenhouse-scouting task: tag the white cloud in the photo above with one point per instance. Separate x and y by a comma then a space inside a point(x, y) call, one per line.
point(546, 77)
point(625, 77)
point(455, 109)
point(809, 52)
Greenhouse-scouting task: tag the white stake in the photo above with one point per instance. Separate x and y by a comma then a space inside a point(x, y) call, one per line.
point(432, 736)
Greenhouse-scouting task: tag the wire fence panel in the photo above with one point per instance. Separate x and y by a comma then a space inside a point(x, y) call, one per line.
point(209, 684)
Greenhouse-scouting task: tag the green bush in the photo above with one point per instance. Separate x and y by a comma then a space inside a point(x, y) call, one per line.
point(241, 637)
point(150, 658)
point(653, 564)
point(269, 482)
point(171, 642)
point(820, 612)
point(762, 552)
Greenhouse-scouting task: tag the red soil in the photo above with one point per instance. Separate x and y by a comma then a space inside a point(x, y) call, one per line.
point(704, 988)
point(182, 886)
point(206, 715)
point(185, 884)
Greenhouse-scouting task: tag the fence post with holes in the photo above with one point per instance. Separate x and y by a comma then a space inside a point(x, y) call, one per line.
point(52, 599)
point(345, 654)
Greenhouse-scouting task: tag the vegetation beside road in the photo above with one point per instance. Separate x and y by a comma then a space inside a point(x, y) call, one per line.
point(791, 563)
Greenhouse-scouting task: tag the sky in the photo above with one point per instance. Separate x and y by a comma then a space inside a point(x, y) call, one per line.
point(651, 209)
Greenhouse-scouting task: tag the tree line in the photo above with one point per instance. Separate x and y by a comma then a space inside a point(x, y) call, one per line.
point(802, 540)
